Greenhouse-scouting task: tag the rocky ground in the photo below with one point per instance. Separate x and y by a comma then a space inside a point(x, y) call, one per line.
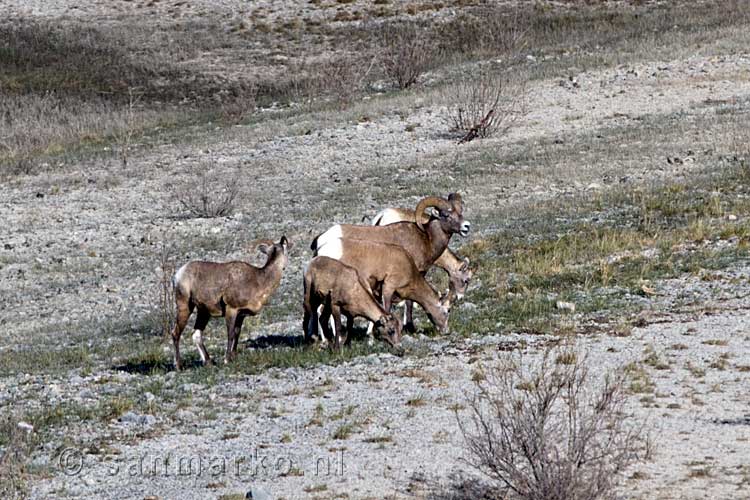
point(81, 250)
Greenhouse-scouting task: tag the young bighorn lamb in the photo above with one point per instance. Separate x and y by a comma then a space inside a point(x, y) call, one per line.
point(458, 269)
point(340, 290)
point(424, 240)
point(230, 289)
point(390, 269)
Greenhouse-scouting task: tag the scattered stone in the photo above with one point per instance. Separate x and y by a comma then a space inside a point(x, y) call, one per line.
point(257, 493)
point(25, 426)
point(133, 418)
point(185, 415)
point(565, 306)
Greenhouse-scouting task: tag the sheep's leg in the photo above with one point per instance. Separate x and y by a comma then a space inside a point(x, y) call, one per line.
point(325, 315)
point(387, 297)
point(237, 332)
point(349, 328)
point(408, 316)
point(378, 294)
point(200, 325)
point(337, 330)
point(307, 326)
point(184, 309)
point(230, 317)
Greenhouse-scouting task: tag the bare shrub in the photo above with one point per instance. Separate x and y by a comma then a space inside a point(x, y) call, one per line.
point(207, 193)
point(124, 135)
point(491, 31)
point(338, 80)
point(483, 104)
point(165, 313)
point(548, 431)
point(15, 447)
point(407, 54)
point(235, 110)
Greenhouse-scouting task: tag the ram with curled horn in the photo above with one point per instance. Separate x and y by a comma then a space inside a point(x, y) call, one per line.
point(458, 268)
point(424, 241)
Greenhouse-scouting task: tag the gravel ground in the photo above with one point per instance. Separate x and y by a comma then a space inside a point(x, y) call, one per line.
point(80, 250)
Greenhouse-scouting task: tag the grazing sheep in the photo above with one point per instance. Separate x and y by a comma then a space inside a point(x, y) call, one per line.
point(339, 289)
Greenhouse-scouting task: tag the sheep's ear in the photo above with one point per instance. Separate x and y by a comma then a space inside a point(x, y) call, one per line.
point(263, 248)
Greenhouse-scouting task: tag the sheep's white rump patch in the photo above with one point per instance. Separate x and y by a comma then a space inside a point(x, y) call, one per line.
point(178, 274)
point(335, 233)
point(333, 249)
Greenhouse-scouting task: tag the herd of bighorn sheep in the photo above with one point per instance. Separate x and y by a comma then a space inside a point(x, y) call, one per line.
point(356, 271)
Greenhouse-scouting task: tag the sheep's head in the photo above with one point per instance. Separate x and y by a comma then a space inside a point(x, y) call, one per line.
point(441, 318)
point(459, 279)
point(449, 212)
point(275, 250)
point(388, 329)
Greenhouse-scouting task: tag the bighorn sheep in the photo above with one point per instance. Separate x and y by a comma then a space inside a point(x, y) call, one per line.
point(339, 289)
point(457, 268)
point(390, 269)
point(230, 289)
point(424, 240)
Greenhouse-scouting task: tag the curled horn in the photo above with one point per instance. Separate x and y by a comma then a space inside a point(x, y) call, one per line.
point(430, 201)
point(457, 201)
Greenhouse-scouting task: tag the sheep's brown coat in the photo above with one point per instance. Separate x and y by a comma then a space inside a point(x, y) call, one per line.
point(230, 289)
point(340, 290)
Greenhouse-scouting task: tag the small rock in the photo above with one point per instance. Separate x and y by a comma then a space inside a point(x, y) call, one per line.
point(185, 415)
point(257, 493)
point(731, 217)
point(25, 426)
point(133, 418)
point(40, 462)
point(87, 394)
point(468, 306)
point(565, 306)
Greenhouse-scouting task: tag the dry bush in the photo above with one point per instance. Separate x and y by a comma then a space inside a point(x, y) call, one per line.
point(484, 32)
point(207, 192)
point(407, 54)
point(338, 80)
point(15, 447)
point(483, 104)
point(550, 431)
point(165, 290)
point(125, 134)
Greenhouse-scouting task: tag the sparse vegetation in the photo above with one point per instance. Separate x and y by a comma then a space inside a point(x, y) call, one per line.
point(407, 54)
point(564, 425)
point(618, 203)
point(207, 193)
point(483, 104)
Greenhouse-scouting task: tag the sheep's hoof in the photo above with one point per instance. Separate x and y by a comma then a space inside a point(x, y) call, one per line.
point(409, 327)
